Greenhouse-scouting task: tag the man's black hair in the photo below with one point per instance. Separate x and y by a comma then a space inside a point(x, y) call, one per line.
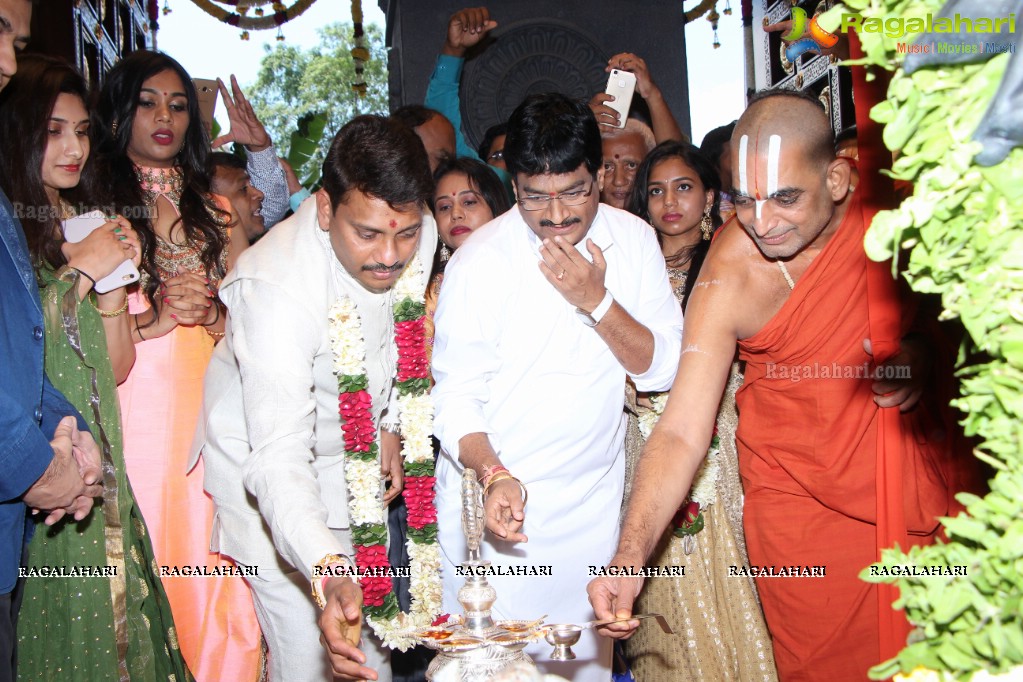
point(224, 160)
point(493, 132)
point(380, 157)
point(414, 115)
point(551, 133)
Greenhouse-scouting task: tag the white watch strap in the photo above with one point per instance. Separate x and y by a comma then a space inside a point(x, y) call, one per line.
point(598, 313)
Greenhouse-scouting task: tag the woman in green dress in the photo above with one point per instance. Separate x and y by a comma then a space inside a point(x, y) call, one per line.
point(106, 617)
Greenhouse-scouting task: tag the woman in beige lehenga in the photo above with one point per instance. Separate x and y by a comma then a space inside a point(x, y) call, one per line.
point(720, 633)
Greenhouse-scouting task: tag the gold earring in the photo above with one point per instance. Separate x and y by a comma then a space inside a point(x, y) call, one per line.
point(113, 128)
point(706, 226)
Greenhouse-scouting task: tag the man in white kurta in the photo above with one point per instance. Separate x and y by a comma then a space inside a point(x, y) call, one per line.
point(271, 435)
point(518, 360)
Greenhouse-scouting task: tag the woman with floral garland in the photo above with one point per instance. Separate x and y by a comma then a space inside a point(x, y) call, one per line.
point(677, 191)
point(125, 618)
point(152, 153)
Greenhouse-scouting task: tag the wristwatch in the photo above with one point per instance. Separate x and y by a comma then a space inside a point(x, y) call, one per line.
point(594, 318)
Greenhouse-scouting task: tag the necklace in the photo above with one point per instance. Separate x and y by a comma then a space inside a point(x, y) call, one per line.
point(156, 182)
point(362, 461)
point(786, 275)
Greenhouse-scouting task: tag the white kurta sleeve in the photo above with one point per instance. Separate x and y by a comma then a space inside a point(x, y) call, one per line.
point(275, 339)
point(465, 353)
point(659, 312)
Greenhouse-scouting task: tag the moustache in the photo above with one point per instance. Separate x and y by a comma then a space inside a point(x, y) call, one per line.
point(574, 220)
point(380, 267)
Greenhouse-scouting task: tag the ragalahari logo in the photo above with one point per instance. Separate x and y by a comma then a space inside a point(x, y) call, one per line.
point(818, 39)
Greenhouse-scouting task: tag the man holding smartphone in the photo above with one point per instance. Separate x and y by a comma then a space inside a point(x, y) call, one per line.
point(626, 139)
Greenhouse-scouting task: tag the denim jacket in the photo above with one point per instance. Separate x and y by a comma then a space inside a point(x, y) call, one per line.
point(30, 406)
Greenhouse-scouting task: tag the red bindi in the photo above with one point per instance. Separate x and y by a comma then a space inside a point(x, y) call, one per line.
point(394, 223)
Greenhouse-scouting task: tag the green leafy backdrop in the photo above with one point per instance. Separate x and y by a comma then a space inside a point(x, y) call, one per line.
point(962, 229)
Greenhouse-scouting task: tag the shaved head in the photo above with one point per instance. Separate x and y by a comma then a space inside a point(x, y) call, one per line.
point(787, 182)
point(794, 116)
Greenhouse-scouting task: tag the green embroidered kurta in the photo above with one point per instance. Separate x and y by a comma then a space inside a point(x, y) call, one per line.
point(116, 625)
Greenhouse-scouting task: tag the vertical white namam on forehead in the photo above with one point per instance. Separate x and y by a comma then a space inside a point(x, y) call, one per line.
point(773, 156)
point(743, 148)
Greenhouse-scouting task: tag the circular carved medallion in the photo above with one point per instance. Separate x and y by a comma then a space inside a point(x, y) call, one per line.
point(525, 59)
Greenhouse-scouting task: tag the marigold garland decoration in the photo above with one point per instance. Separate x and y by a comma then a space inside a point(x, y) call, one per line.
point(262, 21)
point(362, 463)
point(360, 53)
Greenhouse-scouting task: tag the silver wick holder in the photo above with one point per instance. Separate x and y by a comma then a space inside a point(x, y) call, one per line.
point(562, 637)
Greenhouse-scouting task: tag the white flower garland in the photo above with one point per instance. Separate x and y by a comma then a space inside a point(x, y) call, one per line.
point(364, 478)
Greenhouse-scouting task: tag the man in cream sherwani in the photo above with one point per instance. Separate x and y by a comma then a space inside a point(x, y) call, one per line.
point(271, 434)
point(542, 314)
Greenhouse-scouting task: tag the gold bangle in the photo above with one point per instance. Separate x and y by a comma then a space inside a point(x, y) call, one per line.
point(497, 477)
point(113, 313)
point(321, 571)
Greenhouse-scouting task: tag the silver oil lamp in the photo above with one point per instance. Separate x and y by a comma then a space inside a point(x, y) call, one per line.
point(476, 648)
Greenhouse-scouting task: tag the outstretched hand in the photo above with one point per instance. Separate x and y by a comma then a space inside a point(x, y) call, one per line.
point(504, 510)
point(466, 28)
point(246, 128)
point(612, 597)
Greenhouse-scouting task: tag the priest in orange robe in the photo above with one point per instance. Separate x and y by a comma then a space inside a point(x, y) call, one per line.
point(839, 457)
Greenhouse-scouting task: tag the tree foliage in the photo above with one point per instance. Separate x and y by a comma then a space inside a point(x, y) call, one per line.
point(962, 230)
point(295, 82)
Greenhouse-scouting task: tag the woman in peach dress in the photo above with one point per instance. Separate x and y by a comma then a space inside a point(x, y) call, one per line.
point(152, 153)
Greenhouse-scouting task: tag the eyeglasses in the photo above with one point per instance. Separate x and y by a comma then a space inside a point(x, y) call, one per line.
point(539, 202)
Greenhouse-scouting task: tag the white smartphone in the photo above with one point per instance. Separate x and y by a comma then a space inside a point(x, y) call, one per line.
point(621, 84)
point(78, 228)
point(208, 92)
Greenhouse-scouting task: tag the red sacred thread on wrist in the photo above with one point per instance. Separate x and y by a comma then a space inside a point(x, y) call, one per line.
point(490, 471)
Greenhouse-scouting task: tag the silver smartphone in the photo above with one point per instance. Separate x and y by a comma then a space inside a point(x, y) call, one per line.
point(78, 228)
point(621, 84)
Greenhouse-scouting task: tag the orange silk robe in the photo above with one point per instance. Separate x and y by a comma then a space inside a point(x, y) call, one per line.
point(809, 458)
